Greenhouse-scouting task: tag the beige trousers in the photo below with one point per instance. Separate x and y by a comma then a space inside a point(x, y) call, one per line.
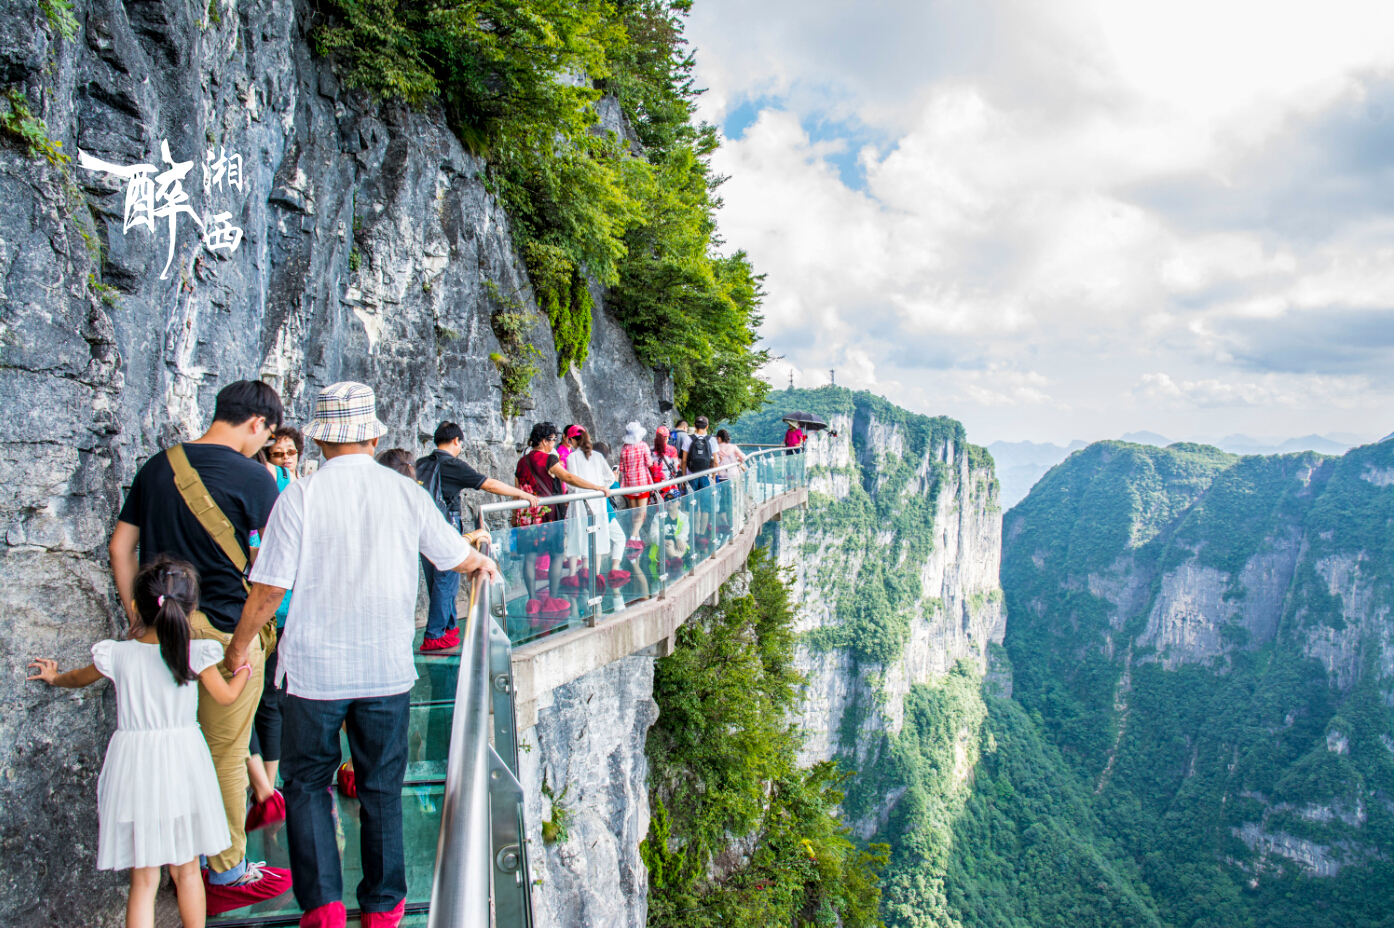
point(227, 729)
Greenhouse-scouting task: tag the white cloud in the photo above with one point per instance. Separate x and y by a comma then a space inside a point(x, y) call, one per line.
point(1055, 197)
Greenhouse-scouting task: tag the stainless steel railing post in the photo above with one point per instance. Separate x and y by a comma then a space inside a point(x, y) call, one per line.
point(481, 839)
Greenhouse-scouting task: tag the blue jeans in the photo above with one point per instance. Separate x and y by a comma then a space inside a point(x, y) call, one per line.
point(377, 737)
point(444, 586)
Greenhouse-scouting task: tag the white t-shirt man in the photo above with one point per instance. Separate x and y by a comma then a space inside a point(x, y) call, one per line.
point(345, 539)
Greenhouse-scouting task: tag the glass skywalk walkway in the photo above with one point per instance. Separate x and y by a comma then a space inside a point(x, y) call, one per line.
point(656, 546)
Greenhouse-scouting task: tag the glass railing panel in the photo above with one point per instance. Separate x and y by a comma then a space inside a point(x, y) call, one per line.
point(420, 828)
point(678, 535)
point(725, 519)
point(533, 562)
point(704, 513)
point(635, 524)
point(615, 579)
point(428, 742)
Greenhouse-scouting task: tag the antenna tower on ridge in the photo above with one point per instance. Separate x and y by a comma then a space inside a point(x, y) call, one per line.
point(791, 379)
point(832, 375)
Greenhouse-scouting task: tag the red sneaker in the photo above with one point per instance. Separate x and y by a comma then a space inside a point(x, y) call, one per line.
point(438, 644)
point(618, 578)
point(347, 784)
point(325, 916)
point(258, 884)
point(571, 583)
point(384, 919)
point(269, 811)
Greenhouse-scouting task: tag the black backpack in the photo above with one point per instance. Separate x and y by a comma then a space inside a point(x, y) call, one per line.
point(700, 454)
point(428, 475)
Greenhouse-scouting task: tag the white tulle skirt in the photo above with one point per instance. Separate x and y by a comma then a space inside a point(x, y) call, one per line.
point(158, 800)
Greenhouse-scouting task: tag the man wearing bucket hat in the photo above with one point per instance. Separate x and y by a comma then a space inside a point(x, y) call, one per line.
point(347, 539)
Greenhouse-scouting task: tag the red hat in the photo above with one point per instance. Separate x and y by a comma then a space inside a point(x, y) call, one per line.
point(574, 430)
point(662, 430)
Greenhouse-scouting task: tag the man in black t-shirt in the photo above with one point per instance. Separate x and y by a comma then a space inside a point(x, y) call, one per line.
point(156, 520)
point(456, 476)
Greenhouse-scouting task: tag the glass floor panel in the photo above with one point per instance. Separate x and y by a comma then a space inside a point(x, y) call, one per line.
point(420, 827)
point(436, 673)
point(428, 741)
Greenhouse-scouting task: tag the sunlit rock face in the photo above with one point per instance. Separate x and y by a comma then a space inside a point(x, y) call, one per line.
point(369, 249)
point(585, 777)
point(900, 502)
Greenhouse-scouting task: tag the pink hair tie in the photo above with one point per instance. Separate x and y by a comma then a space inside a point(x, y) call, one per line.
point(159, 600)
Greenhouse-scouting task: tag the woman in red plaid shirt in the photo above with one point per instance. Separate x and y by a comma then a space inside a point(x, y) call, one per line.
point(634, 472)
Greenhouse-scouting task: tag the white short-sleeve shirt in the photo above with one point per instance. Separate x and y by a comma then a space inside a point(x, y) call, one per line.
point(345, 539)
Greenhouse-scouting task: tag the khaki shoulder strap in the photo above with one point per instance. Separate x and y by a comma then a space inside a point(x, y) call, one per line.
point(201, 504)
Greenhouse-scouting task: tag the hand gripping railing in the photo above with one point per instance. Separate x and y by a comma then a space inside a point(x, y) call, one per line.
point(481, 829)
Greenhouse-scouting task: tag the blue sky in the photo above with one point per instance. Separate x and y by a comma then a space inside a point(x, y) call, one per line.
point(1073, 219)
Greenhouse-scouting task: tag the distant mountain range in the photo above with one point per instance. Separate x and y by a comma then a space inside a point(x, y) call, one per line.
point(1333, 443)
point(1021, 463)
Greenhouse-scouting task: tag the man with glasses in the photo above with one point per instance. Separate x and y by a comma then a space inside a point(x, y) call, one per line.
point(156, 520)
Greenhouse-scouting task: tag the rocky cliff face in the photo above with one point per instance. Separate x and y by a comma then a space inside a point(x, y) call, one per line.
point(1208, 639)
point(587, 804)
point(370, 249)
point(895, 568)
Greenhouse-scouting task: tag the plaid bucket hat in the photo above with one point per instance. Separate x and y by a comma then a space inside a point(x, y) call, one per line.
point(345, 413)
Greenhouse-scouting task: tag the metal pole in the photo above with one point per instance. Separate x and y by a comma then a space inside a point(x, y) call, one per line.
point(592, 611)
point(662, 564)
point(512, 894)
point(460, 889)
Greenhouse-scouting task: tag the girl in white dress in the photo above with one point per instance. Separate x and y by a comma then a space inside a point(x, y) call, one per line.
point(158, 801)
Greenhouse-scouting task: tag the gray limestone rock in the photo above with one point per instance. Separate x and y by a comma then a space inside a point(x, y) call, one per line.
point(370, 248)
point(587, 750)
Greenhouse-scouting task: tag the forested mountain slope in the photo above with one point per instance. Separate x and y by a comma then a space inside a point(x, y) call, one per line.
point(1206, 641)
point(894, 569)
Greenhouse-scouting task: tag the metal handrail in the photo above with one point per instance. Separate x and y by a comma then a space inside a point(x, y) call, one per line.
point(612, 492)
point(480, 839)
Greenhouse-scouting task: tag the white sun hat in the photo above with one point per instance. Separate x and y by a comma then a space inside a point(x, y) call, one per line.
point(633, 433)
point(345, 413)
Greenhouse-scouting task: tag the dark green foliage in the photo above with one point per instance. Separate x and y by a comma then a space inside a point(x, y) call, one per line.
point(723, 767)
point(1028, 850)
point(519, 81)
point(1109, 504)
point(517, 362)
point(1202, 751)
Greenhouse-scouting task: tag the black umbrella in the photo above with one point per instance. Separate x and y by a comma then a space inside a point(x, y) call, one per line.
point(805, 420)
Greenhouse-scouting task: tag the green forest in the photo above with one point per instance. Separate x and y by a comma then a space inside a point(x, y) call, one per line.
point(1182, 756)
point(628, 209)
point(724, 772)
point(1239, 780)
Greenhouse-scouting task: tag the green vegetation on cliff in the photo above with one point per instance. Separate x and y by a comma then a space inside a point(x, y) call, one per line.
point(1251, 783)
point(520, 82)
point(740, 834)
point(885, 523)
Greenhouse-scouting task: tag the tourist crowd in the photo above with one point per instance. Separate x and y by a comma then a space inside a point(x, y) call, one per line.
point(227, 680)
